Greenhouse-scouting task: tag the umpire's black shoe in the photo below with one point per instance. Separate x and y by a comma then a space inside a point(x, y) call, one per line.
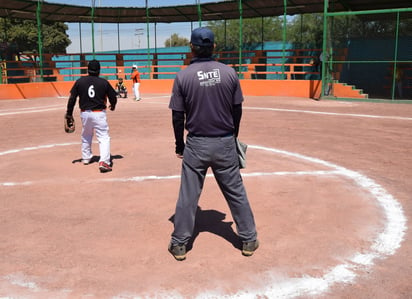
point(178, 251)
point(249, 248)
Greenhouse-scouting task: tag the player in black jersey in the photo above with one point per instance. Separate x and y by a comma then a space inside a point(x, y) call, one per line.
point(93, 93)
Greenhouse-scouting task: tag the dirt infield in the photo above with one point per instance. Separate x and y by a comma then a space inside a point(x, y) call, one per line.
point(329, 183)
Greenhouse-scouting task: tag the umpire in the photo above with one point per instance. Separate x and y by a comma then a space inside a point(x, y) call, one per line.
point(93, 92)
point(207, 101)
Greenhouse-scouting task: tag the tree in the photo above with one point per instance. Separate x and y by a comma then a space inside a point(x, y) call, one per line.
point(23, 35)
point(254, 32)
point(176, 41)
point(306, 31)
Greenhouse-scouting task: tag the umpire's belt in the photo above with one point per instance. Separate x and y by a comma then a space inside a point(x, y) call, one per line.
point(224, 135)
point(93, 110)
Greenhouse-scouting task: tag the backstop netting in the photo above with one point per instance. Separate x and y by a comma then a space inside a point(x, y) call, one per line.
point(371, 51)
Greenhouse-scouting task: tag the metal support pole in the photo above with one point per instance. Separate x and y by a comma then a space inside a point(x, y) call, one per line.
point(367, 12)
point(225, 34)
point(285, 5)
point(118, 38)
point(93, 48)
point(3, 66)
point(325, 32)
point(262, 34)
point(39, 38)
point(155, 36)
point(148, 39)
point(240, 37)
point(80, 36)
point(395, 57)
point(301, 31)
point(199, 13)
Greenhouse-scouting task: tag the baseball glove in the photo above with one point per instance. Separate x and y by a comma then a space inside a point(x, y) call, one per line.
point(69, 124)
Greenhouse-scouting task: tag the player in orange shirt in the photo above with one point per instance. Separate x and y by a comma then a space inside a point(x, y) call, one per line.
point(136, 83)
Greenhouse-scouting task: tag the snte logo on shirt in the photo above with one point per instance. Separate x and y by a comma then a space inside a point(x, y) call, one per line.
point(209, 78)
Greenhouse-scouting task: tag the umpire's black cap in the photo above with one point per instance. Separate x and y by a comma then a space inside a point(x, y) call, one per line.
point(202, 37)
point(93, 67)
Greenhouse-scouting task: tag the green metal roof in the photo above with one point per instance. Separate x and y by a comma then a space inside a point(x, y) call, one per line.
point(26, 9)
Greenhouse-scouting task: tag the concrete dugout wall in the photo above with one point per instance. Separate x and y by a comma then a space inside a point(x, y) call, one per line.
point(287, 88)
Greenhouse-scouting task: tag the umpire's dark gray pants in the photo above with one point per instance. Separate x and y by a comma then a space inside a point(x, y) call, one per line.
point(219, 153)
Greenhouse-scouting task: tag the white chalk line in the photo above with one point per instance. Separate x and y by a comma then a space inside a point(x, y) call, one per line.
point(30, 148)
point(331, 113)
point(249, 174)
point(316, 112)
point(33, 148)
point(29, 111)
point(30, 108)
point(385, 244)
point(26, 110)
point(48, 108)
point(175, 177)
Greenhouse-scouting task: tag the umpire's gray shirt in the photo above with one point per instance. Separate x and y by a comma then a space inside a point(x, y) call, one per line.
point(207, 91)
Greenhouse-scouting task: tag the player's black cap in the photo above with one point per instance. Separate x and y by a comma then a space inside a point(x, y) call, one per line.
point(93, 67)
point(202, 37)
